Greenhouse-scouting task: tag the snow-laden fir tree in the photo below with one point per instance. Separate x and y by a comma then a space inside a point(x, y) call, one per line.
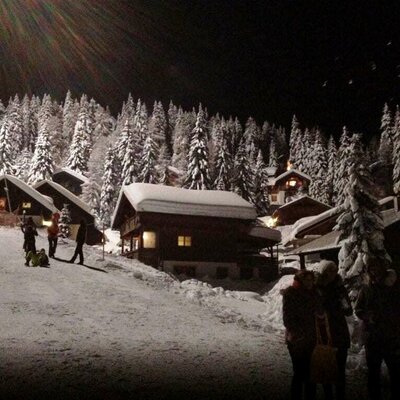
point(81, 143)
point(318, 171)
point(235, 127)
point(6, 149)
point(70, 116)
point(261, 195)
point(158, 124)
point(273, 156)
point(65, 221)
point(396, 153)
point(132, 154)
point(91, 191)
point(108, 194)
point(223, 166)
point(342, 167)
point(148, 165)
point(331, 175)
point(34, 122)
point(360, 225)
point(304, 155)
point(2, 110)
point(243, 179)
point(251, 135)
point(42, 161)
point(22, 165)
point(294, 141)
point(172, 116)
point(124, 138)
point(214, 142)
point(16, 126)
point(197, 176)
point(386, 145)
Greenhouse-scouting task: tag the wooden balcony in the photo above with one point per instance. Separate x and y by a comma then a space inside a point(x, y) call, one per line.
point(129, 225)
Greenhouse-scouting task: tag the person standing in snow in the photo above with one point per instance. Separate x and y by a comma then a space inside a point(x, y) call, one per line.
point(52, 234)
point(337, 306)
point(80, 240)
point(301, 306)
point(29, 230)
point(378, 306)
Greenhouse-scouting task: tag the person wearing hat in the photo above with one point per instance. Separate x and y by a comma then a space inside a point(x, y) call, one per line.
point(301, 304)
point(337, 305)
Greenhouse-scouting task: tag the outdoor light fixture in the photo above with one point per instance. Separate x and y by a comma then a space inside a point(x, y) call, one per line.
point(26, 205)
point(46, 223)
point(292, 183)
point(149, 240)
point(271, 222)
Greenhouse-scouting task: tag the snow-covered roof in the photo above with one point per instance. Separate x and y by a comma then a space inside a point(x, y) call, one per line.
point(65, 192)
point(288, 173)
point(265, 233)
point(148, 197)
point(325, 242)
point(31, 191)
point(71, 172)
point(301, 198)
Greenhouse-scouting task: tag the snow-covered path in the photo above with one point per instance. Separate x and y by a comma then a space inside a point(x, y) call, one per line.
point(111, 332)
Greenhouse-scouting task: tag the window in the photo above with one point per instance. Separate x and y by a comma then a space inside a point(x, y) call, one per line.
point(274, 197)
point(149, 240)
point(184, 241)
point(291, 183)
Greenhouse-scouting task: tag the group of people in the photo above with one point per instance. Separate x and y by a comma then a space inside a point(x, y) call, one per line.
point(320, 299)
point(40, 258)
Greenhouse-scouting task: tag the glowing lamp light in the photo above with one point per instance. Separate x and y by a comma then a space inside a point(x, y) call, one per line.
point(272, 222)
point(292, 183)
point(289, 166)
point(26, 205)
point(46, 223)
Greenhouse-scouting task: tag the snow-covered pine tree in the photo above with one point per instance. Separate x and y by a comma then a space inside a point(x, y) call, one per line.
point(158, 124)
point(318, 171)
point(2, 110)
point(108, 194)
point(132, 154)
point(6, 150)
point(164, 159)
point(34, 122)
point(396, 153)
point(251, 135)
point(42, 161)
point(360, 224)
point(261, 195)
point(235, 127)
point(331, 176)
point(197, 176)
point(342, 169)
point(22, 165)
point(305, 152)
point(64, 222)
point(81, 143)
point(215, 142)
point(91, 192)
point(70, 116)
point(148, 167)
point(172, 116)
point(16, 125)
point(243, 179)
point(294, 141)
point(223, 164)
point(386, 145)
point(273, 156)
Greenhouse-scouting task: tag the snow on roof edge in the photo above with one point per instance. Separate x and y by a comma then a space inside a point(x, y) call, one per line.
point(77, 175)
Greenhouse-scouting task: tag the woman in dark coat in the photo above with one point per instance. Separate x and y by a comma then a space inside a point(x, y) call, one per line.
point(29, 230)
point(301, 305)
point(337, 305)
point(80, 240)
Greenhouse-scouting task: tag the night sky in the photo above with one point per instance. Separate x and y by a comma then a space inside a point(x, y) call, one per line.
point(332, 63)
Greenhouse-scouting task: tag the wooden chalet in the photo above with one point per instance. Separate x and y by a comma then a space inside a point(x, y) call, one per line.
point(193, 232)
point(79, 210)
point(19, 200)
point(327, 246)
point(286, 186)
point(69, 179)
point(298, 208)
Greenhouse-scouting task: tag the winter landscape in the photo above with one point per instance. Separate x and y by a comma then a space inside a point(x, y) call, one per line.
point(228, 174)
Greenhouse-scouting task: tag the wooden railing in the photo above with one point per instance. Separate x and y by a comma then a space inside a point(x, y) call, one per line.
point(129, 225)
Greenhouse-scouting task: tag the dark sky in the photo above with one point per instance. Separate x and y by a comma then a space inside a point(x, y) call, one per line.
point(332, 63)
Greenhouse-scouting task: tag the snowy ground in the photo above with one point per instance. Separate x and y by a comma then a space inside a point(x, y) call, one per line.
point(118, 329)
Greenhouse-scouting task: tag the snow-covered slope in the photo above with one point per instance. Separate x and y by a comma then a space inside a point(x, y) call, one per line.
point(118, 329)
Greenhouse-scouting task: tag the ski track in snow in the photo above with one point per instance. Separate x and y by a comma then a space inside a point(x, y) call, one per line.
point(125, 330)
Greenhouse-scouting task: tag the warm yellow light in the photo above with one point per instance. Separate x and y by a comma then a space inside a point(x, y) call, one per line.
point(26, 205)
point(46, 223)
point(292, 183)
point(149, 240)
point(289, 165)
point(184, 241)
point(272, 222)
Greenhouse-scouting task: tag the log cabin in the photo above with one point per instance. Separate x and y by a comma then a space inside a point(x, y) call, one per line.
point(197, 233)
point(69, 179)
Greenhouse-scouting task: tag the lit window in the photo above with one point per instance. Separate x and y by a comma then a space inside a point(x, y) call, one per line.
point(291, 183)
point(184, 241)
point(149, 240)
point(26, 205)
point(274, 197)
